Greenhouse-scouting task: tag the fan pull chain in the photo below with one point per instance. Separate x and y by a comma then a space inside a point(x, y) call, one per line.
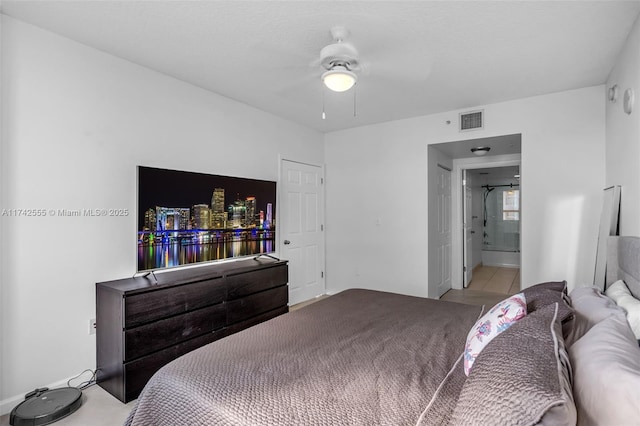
point(355, 103)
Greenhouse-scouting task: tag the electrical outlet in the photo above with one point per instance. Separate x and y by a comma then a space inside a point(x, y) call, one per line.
point(92, 326)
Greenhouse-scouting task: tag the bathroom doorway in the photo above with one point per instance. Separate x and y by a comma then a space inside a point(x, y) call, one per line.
point(492, 220)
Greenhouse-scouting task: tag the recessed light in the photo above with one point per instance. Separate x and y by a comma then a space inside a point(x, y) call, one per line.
point(480, 150)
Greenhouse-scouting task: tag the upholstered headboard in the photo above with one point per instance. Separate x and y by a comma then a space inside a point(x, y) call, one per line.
point(623, 262)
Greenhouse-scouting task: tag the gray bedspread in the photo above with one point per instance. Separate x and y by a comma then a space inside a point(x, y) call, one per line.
point(360, 357)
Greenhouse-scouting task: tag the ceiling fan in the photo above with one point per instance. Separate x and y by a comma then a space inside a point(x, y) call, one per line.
point(344, 63)
point(341, 61)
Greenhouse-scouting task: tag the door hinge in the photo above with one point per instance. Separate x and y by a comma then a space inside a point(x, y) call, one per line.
point(321, 274)
point(321, 181)
point(321, 227)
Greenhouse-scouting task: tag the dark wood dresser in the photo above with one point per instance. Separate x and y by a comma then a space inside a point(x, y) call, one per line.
point(143, 324)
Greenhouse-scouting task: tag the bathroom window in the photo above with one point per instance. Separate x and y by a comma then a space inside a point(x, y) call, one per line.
point(511, 204)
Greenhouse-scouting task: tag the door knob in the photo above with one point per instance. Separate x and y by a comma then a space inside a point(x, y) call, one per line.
point(286, 242)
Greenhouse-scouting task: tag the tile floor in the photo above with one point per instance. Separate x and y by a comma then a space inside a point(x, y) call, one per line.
point(488, 286)
point(496, 280)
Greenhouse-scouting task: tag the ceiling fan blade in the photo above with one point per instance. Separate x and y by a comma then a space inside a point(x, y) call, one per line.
point(414, 73)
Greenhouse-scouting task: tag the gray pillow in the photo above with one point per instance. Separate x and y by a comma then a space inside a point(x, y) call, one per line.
point(549, 293)
point(560, 286)
point(606, 363)
point(522, 377)
point(591, 307)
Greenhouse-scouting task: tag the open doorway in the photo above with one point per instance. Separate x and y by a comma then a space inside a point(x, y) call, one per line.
point(505, 157)
point(491, 211)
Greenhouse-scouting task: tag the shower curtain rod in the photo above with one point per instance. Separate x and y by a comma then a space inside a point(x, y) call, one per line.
point(511, 185)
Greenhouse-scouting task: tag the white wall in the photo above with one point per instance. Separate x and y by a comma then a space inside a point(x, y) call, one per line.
point(380, 171)
point(623, 135)
point(76, 122)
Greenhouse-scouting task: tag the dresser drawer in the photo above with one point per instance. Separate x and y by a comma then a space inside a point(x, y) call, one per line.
point(239, 326)
point(250, 306)
point(253, 282)
point(146, 307)
point(137, 373)
point(152, 337)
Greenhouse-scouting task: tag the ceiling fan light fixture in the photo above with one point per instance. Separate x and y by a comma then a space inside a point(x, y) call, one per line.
point(480, 150)
point(339, 79)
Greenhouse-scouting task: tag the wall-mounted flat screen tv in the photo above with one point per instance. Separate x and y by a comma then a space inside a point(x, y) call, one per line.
point(187, 218)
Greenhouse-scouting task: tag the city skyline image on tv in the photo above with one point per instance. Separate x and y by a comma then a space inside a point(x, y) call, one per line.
point(189, 217)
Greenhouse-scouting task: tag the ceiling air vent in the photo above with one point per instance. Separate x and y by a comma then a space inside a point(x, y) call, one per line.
point(472, 120)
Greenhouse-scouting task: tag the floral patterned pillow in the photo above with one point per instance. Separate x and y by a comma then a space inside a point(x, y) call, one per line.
point(494, 322)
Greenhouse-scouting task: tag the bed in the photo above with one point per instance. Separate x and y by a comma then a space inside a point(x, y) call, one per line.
point(364, 357)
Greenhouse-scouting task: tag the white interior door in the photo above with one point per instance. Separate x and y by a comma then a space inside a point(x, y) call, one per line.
point(468, 232)
point(302, 229)
point(444, 230)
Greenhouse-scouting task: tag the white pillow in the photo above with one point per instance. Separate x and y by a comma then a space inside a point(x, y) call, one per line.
point(494, 322)
point(620, 294)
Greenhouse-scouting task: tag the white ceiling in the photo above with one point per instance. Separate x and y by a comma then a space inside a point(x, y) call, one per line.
point(422, 57)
